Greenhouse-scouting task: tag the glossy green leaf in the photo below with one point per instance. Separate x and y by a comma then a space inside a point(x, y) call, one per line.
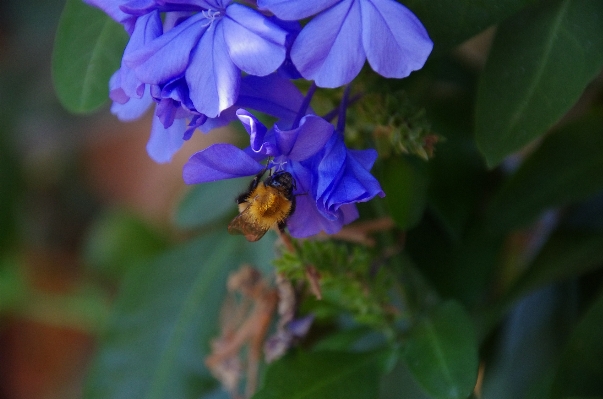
point(405, 184)
point(163, 319)
point(87, 51)
point(322, 375)
point(441, 353)
point(580, 372)
point(451, 22)
point(540, 62)
point(208, 202)
point(565, 168)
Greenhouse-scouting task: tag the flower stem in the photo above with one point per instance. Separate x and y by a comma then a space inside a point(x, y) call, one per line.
point(333, 113)
point(343, 106)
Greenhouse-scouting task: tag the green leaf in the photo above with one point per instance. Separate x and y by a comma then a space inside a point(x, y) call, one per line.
point(441, 352)
point(342, 339)
point(400, 383)
point(457, 177)
point(459, 269)
point(208, 202)
point(163, 319)
point(566, 254)
point(580, 372)
point(322, 375)
point(87, 51)
point(405, 184)
point(451, 22)
point(540, 62)
point(520, 363)
point(565, 168)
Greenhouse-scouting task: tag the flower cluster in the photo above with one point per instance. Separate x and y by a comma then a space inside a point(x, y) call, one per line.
point(205, 63)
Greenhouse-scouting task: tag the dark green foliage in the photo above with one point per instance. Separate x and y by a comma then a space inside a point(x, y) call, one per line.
point(565, 168)
point(441, 352)
point(319, 375)
point(540, 62)
point(580, 369)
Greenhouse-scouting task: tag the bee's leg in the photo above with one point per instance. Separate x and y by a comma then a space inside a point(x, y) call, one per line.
point(252, 186)
point(242, 197)
point(281, 226)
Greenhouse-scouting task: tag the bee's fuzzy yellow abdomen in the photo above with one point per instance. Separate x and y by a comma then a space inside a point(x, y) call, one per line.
point(268, 206)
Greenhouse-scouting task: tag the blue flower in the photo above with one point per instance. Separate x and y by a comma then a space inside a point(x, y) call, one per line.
point(329, 178)
point(332, 48)
point(190, 65)
point(175, 119)
point(210, 49)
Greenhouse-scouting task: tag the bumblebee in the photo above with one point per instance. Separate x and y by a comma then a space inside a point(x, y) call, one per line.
point(264, 205)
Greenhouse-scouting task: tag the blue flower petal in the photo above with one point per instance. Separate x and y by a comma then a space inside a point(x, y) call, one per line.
point(350, 213)
point(217, 162)
point(295, 9)
point(212, 77)
point(305, 141)
point(133, 108)
point(272, 95)
point(366, 158)
point(116, 93)
point(113, 10)
point(330, 165)
point(226, 116)
point(395, 41)
point(356, 184)
point(124, 84)
point(287, 70)
point(167, 57)
point(176, 90)
point(257, 134)
point(307, 221)
point(164, 143)
point(329, 49)
point(138, 7)
point(198, 3)
point(141, 7)
point(255, 44)
point(168, 111)
point(147, 28)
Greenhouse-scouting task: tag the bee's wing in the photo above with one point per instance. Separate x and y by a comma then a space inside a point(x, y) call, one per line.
point(244, 224)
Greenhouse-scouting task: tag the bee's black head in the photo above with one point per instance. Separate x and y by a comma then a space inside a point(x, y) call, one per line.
point(281, 180)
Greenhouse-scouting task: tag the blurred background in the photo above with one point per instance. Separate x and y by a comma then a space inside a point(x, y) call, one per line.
point(63, 180)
